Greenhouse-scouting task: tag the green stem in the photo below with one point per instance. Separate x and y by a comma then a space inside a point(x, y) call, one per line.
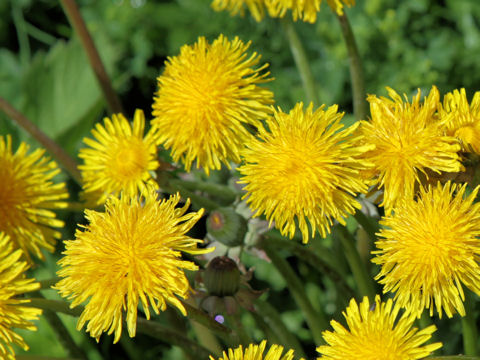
point(159, 331)
point(469, 328)
point(356, 69)
point(144, 326)
point(20, 26)
point(301, 61)
point(197, 200)
point(368, 224)
point(316, 320)
point(243, 337)
point(204, 319)
point(456, 357)
point(78, 24)
point(68, 163)
point(362, 278)
point(274, 321)
point(220, 191)
point(307, 255)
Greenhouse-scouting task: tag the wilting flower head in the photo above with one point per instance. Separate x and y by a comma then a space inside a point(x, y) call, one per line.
point(429, 248)
point(255, 352)
point(304, 9)
point(304, 167)
point(27, 196)
point(462, 120)
point(12, 314)
point(130, 253)
point(408, 141)
point(256, 7)
point(119, 159)
point(208, 96)
point(375, 334)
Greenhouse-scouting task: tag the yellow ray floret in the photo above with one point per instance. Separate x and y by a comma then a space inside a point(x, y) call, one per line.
point(235, 7)
point(429, 249)
point(119, 159)
point(409, 142)
point(305, 10)
point(208, 96)
point(12, 313)
point(255, 352)
point(374, 333)
point(27, 196)
point(129, 254)
point(305, 167)
point(461, 119)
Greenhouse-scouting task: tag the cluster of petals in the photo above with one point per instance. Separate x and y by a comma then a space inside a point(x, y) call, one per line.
point(256, 352)
point(377, 332)
point(305, 10)
point(129, 254)
point(304, 167)
point(27, 197)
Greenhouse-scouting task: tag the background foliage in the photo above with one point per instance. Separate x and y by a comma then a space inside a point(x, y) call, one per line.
point(44, 73)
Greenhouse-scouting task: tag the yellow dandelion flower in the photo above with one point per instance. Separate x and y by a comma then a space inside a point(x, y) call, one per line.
point(429, 248)
point(305, 10)
point(408, 141)
point(304, 167)
point(129, 254)
point(235, 7)
point(462, 120)
point(27, 196)
point(208, 96)
point(12, 313)
point(375, 334)
point(119, 159)
point(255, 352)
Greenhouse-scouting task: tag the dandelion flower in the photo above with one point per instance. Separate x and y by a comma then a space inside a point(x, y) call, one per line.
point(408, 141)
point(304, 167)
point(119, 159)
point(129, 254)
point(305, 10)
point(256, 7)
point(429, 248)
point(12, 314)
point(207, 99)
point(255, 352)
point(462, 120)
point(375, 334)
point(27, 196)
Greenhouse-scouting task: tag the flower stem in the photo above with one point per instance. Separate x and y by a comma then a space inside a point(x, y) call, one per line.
point(78, 24)
point(307, 255)
point(368, 224)
point(301, 61)
point(68, 163)
point(219, 191)
point(364, 281)
point(274, 322)
point(144, 326)
point(469, 328)
point(356, 69)
point(316, 320)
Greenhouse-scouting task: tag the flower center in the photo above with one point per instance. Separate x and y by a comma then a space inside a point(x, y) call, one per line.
point(12, 198)
point(130, 161)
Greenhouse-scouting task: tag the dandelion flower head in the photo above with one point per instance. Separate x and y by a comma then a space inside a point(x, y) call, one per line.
point(374, 333)
point(255, 352)
point(129, 254)
point(408, 141)
point(304, 167)
point(27, 198)
point(462, 120)
point(235, 7)
point(12, 313)
point(207, 98)
point(119, 158)
point(429, 248)
point(305, 10)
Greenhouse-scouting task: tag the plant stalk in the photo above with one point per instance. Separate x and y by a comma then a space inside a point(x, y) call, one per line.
point(78, 24)
point(356, 69)
point(469, 327)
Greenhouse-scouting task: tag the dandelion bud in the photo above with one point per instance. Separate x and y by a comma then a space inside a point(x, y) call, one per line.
point(227, 226)
point(222, 277)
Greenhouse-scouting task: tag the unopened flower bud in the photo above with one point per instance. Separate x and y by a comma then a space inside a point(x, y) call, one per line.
point(227, 226)
point(222, 277)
